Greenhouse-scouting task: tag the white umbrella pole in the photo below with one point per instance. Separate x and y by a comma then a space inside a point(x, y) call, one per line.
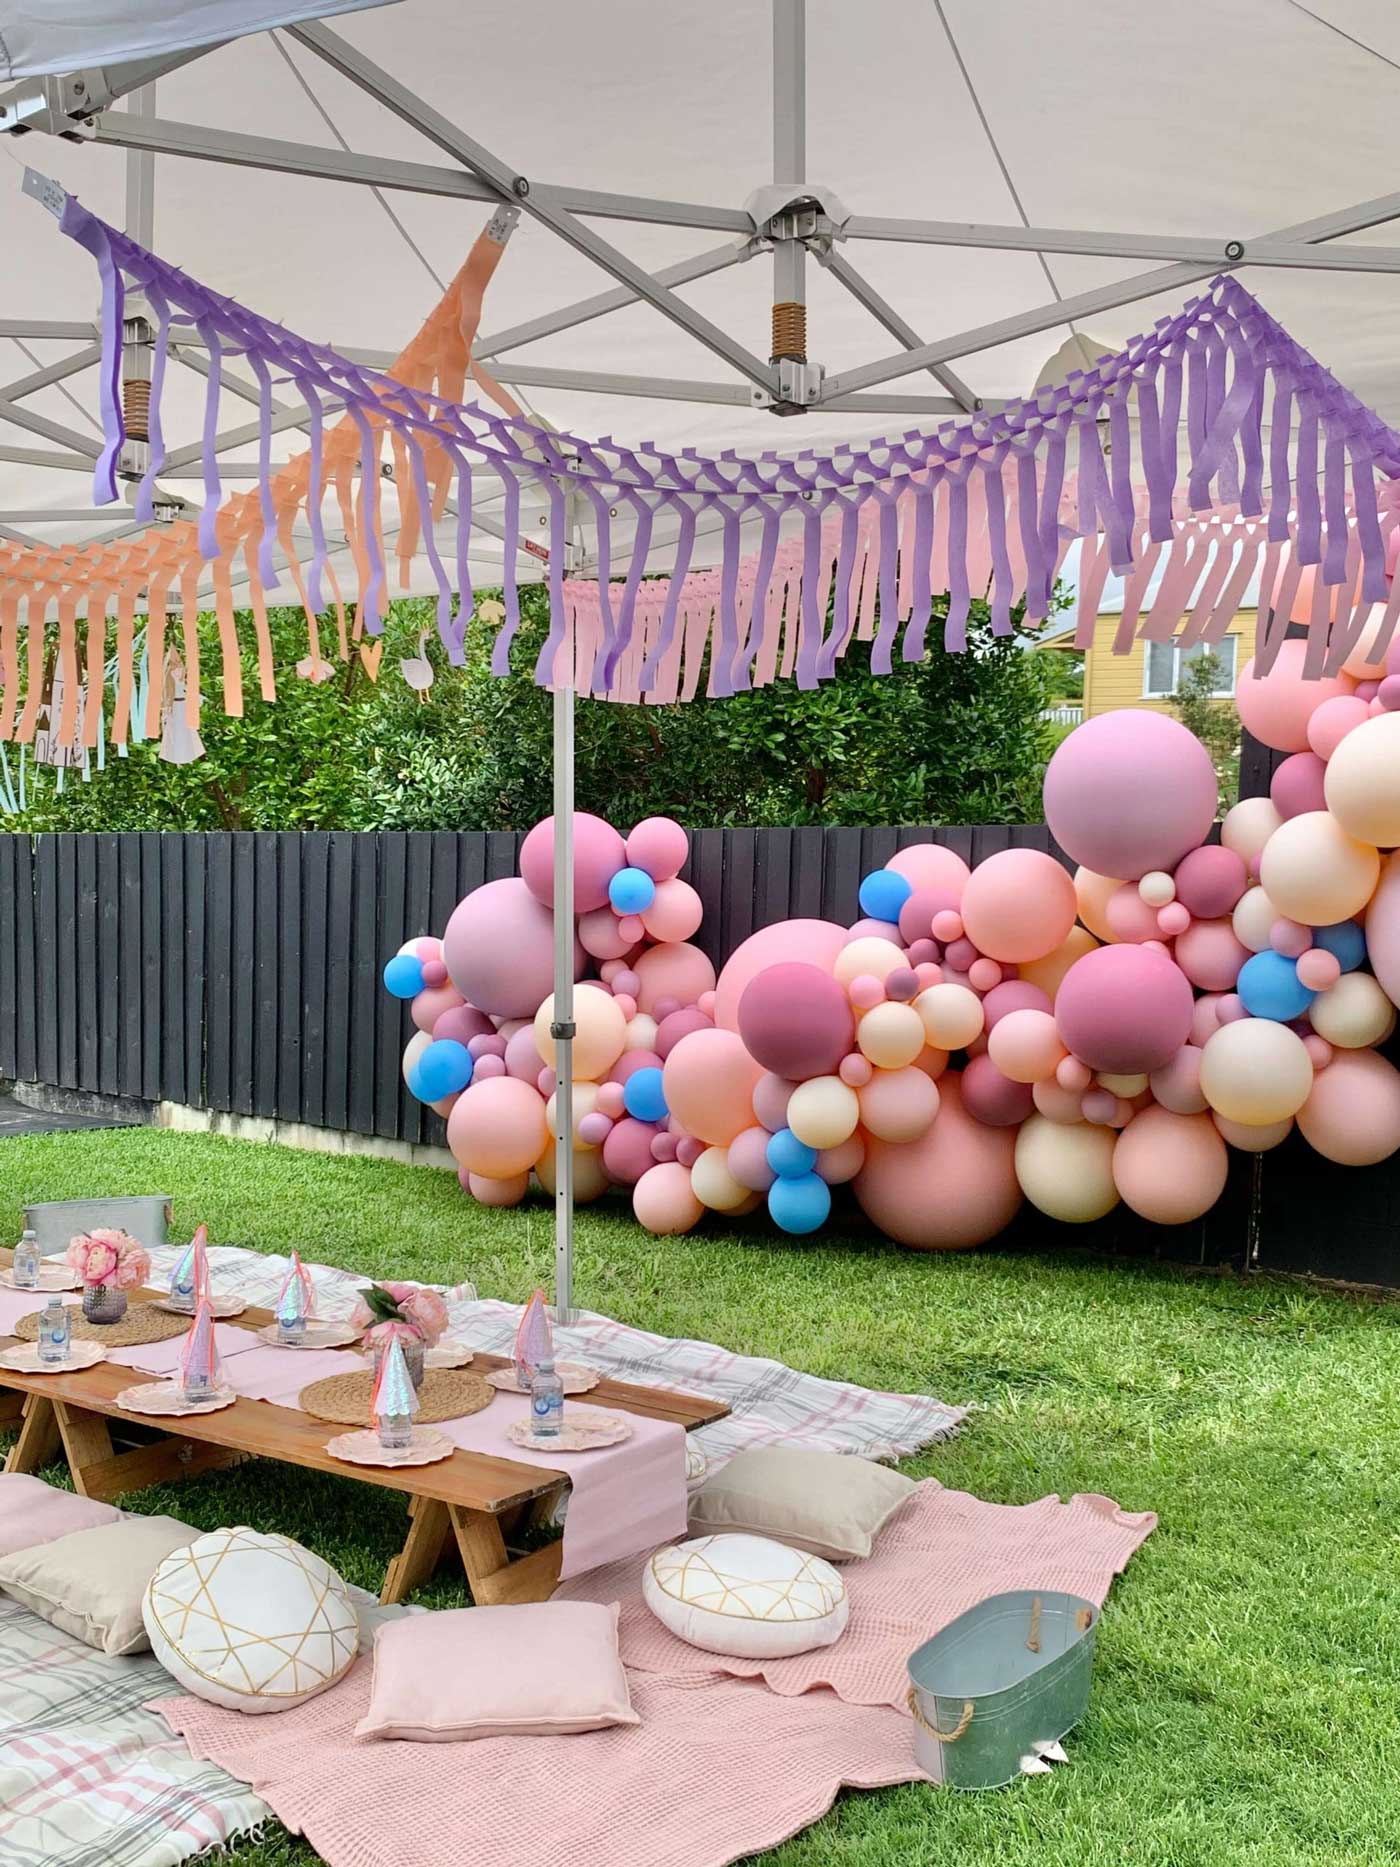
point(563, 1025)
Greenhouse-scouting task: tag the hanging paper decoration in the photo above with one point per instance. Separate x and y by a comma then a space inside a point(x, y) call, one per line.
point(296, 1300)
point(395, 1397)
point(534, 1339)
point(201, 1368)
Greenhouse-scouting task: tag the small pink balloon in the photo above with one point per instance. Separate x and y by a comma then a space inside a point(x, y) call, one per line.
point(610, 968)
point(625, 982)
point(1100, 1107)
point(488, 1066)
point(928, 974)
point(706, 1002)
point(1129, 917)
point(486, 1046)
point(947, 925)
point(689, 1150)
point(984, 974)
point(865, 991)
point(1230, 1008)
point(747, 1159)
point(1073, 1075)
point(921, 952)
point(1329, 723)
point(1290, 938)
point(611, 1101)
point(434, 973)
point(1177, 1085)
point(663, 1008)
point(1296, 787)
point(1318, 969)
point(630, 928)
point(1318, 1048)
point(1388, 693)
point(600, 933)
point(1012, 995)
point(594, 1128)
point(770, 1100)
point(522, 1058)
point(917, 914)
point(1173, 919)
point(547, 1082)
point(663, 1147)
point(856, 1070)
point(902, 984)
point(961, 954)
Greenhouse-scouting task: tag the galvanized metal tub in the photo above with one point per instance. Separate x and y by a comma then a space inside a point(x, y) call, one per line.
point(1003, 1681)
point(56, 1221)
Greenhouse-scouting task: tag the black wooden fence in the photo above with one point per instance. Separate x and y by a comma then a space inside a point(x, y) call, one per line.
point(242, 973)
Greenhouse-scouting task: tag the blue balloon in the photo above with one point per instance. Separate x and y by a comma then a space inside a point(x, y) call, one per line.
point(1269, 987)
point(631, 891)
point(799, 1205)
point(883, 893)
point(444, 1067)
point(1344, 939)
point(790, 1158)
point(403, 976)
point(644, 1096)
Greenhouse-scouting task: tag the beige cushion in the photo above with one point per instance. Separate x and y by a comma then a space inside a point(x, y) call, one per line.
point(32, 1512)
point(91, 1584)
point(824, 1502)
point(540, 1670)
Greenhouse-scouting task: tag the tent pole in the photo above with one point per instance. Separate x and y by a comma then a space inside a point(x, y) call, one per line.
point(562, 1027)
point(789, 165)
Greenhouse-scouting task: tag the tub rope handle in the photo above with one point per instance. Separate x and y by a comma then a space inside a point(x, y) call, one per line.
point(1033, 1637)
point(944, 1737)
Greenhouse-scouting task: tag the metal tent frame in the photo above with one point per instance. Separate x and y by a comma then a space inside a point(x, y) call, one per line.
point(790, 219)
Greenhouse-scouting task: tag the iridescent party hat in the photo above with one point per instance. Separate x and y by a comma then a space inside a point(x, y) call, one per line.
point(394, 1392)
point(296, 1300)
point(190, 1278)
point(534, 1340)
point(200, 1363)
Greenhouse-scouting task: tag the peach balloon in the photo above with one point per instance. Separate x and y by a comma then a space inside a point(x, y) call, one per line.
point(930, 865)
point(497, 1128)
point(1353, 1013)
point(675, 913)
point(1205, 1018)
point(1277, 706)
point(1256, 1071)
point(1073, 1075)
point(498, 1192)
point(1177, 1085)
point(1353, 1113)
point(1026, 1046)
point(1253, 919)
point(675, 970)
point(952, 1016)
point(1048, 972)
point(1316, 872)
point(1018, 905)
point(1330, 723)
point(1319, 1050)
point(823, 1112)
point(816, 942)
point(601, 1031)
point(1247, 827)
point(1066, 1169)
point(897, 1105)
point(838, 1165)
point(931, 1060)
point(429, 1005)
point(1170, 1168)
point(709, 1081)
point(1128, 916)
point(1362, 785)
point(1318, 969)
point(891, 1035)
point(984, 975)
point(1358, 662)
point(1383, 928)
point(970, 1166)
point(1250, 1137)
point(1210, 955)
point(868, 955)
point(664, 1200)
point(1092, 894)
point(714, 1185)
point(1057, 1103)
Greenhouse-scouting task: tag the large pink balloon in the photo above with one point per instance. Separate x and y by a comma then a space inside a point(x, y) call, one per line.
point(1383, 928)
point(497, 1128)
point(1124, 1009)
point(675, 970)
point(953, 1188)
point(499, 949)
point(1018, 905)
point(1170, 1168)
point(1277, 706)
point(599, 852)
point(709, 1080)
point(1130, 791)
point(1352, 1114)
point(815, 942)
point(930, 865)
point(796, 1020)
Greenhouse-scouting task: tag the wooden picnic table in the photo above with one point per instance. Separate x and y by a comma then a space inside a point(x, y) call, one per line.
point(472, 1499)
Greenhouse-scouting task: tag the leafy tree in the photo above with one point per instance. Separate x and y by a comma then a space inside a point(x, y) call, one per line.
point(1214, 721)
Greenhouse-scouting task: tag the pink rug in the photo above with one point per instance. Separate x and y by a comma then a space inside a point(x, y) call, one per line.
point(720, 1766)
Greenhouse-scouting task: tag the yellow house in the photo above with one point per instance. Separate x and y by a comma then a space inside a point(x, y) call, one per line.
point(1151, 671)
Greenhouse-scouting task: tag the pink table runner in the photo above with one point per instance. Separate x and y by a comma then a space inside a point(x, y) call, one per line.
point(17, 1303)
point(164, 1357)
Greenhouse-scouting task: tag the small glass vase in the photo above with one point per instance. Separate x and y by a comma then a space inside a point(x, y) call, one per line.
point(413, 1354)
point(103, 1303)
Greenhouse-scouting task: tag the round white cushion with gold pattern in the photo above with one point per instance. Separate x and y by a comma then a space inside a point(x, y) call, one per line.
point(746, 1596)
point(252, 1622)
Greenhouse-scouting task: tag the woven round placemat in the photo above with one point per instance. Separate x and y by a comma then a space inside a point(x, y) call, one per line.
point(446, 1394)
point(142, 1323)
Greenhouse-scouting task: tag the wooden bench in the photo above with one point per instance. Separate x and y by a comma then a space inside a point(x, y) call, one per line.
point(471, 1499)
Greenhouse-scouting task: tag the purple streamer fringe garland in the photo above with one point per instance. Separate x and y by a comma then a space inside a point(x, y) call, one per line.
point(980, 507)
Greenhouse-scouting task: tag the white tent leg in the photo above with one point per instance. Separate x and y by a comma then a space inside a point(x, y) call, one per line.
point(563, 1027)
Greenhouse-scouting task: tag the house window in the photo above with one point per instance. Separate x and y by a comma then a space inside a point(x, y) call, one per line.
point(1163, 667)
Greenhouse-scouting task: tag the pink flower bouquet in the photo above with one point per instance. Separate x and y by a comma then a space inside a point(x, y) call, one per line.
point(404, 1310)
point(111, 1259)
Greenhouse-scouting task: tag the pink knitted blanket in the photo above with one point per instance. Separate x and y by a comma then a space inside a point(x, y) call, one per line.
point(720, 1767)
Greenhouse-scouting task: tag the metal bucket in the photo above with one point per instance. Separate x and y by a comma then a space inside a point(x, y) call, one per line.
point(56, 1221)
point(1002, 1682)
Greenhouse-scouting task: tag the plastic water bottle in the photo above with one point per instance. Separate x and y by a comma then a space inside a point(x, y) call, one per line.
point(395, 1431)
point(55, 1331)
point(546, 1403)
point(27, 1262)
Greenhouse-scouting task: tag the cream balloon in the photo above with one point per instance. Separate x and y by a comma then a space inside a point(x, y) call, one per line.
point(1362, 782)
point(1247, 827)
point(590, 1176)
point(1255, 1071)
point(1316, 872)
point(1065, 1169)
point(891, 1035)
point(601, 1031)
point(870, 954)
point(952, 1016)
point(714, 1185)
point(823, 1112)
point(1253, 919)
point(641, 1033)
point(585, 1101)
point(1353, 1013)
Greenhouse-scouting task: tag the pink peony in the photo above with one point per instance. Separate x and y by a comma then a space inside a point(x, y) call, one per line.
point(420, 1315)
point(133, 1268)
point(426, 1310)
point(109, 1258)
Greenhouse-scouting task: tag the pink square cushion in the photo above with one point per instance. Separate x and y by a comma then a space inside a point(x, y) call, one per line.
point(545, 1668)
point(32, 1512)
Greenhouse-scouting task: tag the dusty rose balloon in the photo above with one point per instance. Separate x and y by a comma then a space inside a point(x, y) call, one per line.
point(664, 1202)
point(923, 953)
point(815, 942)
point(903, 984)
point(990, 1097)
point(1387, 692)
point(499, 949)
point(663, 1146)
point(671, 1030)
point(1012, 995)
point(1130, 791)
point(1210, 955)
point(675, 913)
point(1296, 786)
point(837, 1165)
point(1018, 905)
point(498, 1128)
point(1129, 917)
point(961, 955)
point(434, 974)
point(631, 1061)
point(795, 1020)
point(1170, 1168)
point(770, 1099)
point(897, 1105)
point(1230, 1006)
point(522, 1057)
point(1124, 1008)
point(594, 1128)
point(600, 933)
point(676, 970)
point(498, 1192)
point(1058, 1104)
point(462, 1023)
point(1103, 1108)
point(709, 1079)
point(1316, 872)
point(856, 1070)
point(930, 865)
point(748, 1159)
point(1290, 938)
point(1331, 721)
point(983, 975)
point(627, 1150)
point(488, 1066)
point(599, 852)
point(1177, 1084)
point(916, 916)
point(1352, 1114)
point(1277, 706)
point(1210, 880)
point(660, 846)
point(1066, 1170)
point(688, 1150)
point(1026, 1046)
point(968, 1162)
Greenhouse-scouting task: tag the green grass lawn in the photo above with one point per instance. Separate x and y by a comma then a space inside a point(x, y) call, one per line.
point(1245, 1705)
